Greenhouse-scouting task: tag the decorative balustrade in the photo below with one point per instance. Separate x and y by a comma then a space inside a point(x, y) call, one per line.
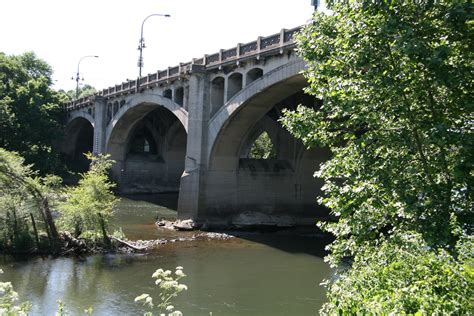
point(247, 49)
point(173, 71)
point(212, 59)
point(270, 41)
point(263, 45)
point(229, 53)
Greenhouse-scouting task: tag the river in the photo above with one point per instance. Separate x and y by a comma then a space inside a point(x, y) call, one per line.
point(274, 273)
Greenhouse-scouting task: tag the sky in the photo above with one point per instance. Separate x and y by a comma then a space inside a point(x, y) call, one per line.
point(61, 32)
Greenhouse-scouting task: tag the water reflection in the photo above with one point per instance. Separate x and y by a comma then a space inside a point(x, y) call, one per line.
point(256, 274)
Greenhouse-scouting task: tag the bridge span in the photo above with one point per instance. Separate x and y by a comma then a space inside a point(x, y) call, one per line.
point(191, 129)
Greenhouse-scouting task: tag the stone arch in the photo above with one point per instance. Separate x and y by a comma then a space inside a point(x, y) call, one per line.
point(264, 125)
point(78, 140)
point(234, 84)
point(217, 94)
point(115, 108)
point(148, 171)
point(247, 191)
point(80, 114)
point(273, 86)
point(143, 103)
point(168, 93)
point(179, 95)
point(252, 75)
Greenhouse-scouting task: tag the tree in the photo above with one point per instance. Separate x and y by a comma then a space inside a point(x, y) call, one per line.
point(84, 91)
point(89, 205)
point(23, 193)
point(396, 78)
point(262, 148)
point(30, 111)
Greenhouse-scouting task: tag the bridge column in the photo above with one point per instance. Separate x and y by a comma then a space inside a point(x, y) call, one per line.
point(191, 185)
point(100, 125)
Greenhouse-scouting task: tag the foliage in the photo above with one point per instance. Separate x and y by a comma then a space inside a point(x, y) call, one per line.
point(404, 277)
point(8, 297)
point(396, 80)
point(89, 205)
point(169, 289)
point(23, 195)
point(397, 115)
point(84, 91)
point(30, 111)
point(262, 148)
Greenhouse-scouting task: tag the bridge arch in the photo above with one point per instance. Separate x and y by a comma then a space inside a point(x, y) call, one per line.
point(245, 190)
point(253, 74)
point(78, 140)
point(147, 139)
point(234, 84)
point(270, 88)
point(83, 114)
point(217, 93)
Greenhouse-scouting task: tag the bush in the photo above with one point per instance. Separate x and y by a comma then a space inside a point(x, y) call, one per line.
point(404, 276)
point(89, 205)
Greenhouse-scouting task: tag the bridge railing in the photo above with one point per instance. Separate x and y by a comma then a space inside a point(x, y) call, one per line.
point(263, 46)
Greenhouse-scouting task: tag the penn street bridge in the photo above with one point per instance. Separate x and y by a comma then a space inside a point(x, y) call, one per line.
point(191, 128)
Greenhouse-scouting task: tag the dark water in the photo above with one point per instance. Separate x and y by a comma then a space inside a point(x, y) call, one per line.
point(255, 274)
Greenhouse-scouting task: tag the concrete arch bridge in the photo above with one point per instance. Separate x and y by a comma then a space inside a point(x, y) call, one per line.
point(191, 129)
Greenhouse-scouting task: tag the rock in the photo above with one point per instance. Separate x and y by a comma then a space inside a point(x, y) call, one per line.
point(165, 224)
point(187, 224)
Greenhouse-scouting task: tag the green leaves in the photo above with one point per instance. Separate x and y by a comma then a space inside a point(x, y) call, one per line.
point(30, 111)
point(396, 79)
point(89, 205)
point(262, 148)
point(404, 276)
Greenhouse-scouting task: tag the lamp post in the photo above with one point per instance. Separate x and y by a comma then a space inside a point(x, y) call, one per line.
point(78, 74)
point(141, 44)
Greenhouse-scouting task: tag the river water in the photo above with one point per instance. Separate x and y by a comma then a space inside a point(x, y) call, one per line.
point(274, 273)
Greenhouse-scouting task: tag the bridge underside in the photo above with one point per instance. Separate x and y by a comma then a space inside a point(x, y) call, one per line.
point(78, 140)
point(149, 151)
point(241, 190)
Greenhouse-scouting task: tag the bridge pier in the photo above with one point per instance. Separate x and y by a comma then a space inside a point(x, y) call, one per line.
point(192, 181)
point(100, 124)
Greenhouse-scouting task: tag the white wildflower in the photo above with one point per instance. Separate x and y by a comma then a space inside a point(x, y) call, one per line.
point(182, 287)
point(157, 273)
point(141, 297)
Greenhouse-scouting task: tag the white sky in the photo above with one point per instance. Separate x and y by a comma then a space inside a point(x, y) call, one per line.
point(62, 31)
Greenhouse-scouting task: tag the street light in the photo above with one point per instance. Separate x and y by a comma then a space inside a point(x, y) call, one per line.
point(141, 43)
point(78, 74)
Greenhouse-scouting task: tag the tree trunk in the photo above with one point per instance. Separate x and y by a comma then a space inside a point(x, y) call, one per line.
point(104, 231)
point(49, 221)
point(35, 230)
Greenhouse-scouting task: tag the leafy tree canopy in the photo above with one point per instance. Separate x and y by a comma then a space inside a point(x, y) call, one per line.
point(84, 91)
point(397, 81)
point(396, 78)
point(262, 148)
point(30, 111)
